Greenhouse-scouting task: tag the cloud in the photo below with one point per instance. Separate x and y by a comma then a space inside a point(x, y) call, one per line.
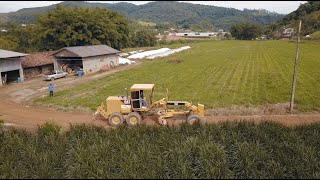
point(10, 6)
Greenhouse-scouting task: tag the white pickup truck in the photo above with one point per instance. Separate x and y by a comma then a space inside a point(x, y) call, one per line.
point(55, 75)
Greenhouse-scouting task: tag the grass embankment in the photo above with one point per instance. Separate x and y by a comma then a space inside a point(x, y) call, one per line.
point(216, 73)
point(228, 150)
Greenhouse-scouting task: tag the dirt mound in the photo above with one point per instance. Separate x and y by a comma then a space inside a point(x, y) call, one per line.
point(175, 61)
point(269, 109)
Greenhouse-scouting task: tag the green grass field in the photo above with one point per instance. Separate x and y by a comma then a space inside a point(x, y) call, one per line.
point(217, 74)
point(145, 23)
point(229, 150)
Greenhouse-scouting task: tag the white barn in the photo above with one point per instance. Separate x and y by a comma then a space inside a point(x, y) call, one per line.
point(10, 66)
point(89, 58)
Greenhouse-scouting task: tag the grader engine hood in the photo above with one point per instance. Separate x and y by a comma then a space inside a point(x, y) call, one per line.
point(199, 110)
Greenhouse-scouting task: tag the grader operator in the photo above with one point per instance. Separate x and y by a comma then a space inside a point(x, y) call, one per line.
point(131, 109)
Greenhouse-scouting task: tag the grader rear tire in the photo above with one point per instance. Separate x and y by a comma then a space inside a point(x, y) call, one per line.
point(116, 119)
point(193, 118)
point(133, 119)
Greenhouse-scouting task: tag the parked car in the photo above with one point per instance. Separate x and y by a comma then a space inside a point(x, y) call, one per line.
point(55, 75)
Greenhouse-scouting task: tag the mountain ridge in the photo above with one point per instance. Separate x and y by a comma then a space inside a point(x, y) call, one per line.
point(177, 13)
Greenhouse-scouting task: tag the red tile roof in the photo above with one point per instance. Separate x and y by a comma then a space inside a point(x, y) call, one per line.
point(37, 59)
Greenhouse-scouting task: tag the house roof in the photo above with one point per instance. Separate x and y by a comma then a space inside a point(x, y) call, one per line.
point(10, 54)
point(142, 87)
point(37, 59)
point(86, 51)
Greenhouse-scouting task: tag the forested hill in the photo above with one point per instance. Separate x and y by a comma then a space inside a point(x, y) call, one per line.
point(309, 13)
point(175, 13)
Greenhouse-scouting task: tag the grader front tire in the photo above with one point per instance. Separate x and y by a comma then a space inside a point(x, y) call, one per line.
point(192, 119)
point(116, 119)
point(133, 119)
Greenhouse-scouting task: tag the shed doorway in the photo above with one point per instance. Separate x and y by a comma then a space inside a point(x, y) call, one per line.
point(9, 76)
point(70, 65)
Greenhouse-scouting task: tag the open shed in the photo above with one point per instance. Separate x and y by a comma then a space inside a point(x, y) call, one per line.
point(37, 63)
point(88, 58)
point(10, 66)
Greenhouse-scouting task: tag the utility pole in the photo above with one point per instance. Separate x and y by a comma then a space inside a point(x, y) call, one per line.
point(295, 71)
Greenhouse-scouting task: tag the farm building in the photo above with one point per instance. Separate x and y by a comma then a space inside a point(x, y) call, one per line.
point(197, 34)
point(89, 58)
point(287, 33)
point(200, 34)
point(10, 66)
point(37, 63)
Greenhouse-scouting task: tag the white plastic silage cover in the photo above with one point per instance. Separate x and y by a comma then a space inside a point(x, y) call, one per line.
point(148, 53)
point(163, 54)
point(181, 49)
point(125, 60)
point(167, 53)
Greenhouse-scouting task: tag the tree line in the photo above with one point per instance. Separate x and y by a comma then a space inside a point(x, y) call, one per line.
point(308, 12)
point(64, 27)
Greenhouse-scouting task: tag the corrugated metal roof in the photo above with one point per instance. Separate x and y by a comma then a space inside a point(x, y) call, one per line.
point(10, 54)
point(87, 51)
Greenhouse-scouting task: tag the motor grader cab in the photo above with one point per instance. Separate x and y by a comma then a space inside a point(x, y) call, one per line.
point(118, 109)
point(141, 97)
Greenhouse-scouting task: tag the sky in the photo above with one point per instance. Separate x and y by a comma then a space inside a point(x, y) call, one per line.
point(282, 7)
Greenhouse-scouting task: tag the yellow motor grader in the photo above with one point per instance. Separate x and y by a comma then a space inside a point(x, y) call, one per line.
point(118, 109)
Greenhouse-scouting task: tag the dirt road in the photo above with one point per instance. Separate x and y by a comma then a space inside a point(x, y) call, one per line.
point(17, 111)
point(23, 92)
point(29, 117)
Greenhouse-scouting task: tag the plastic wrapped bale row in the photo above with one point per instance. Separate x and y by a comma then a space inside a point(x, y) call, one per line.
point(167, 53)
point(148, 53)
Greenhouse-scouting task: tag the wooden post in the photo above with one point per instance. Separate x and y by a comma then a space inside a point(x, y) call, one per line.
point(1, 81)
point(295, 71)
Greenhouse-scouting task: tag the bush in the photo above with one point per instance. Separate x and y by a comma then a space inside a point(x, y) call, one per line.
point(49, 129)
point(315, 35)
point(179, 41)
point(225, 150)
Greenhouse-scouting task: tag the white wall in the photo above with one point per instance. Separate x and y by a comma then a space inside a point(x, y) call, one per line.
point(96, 63)
point(11, 65)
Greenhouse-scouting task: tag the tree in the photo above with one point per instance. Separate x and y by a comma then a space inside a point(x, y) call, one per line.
point(8, 44)
point(164, 26)
point(227, 36)
point(82, 26)
point(143, 38)
point(245, 31)
point(308, 12)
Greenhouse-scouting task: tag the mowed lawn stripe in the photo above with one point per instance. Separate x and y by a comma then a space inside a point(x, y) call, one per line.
point(236, 87)
point(279, 70)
